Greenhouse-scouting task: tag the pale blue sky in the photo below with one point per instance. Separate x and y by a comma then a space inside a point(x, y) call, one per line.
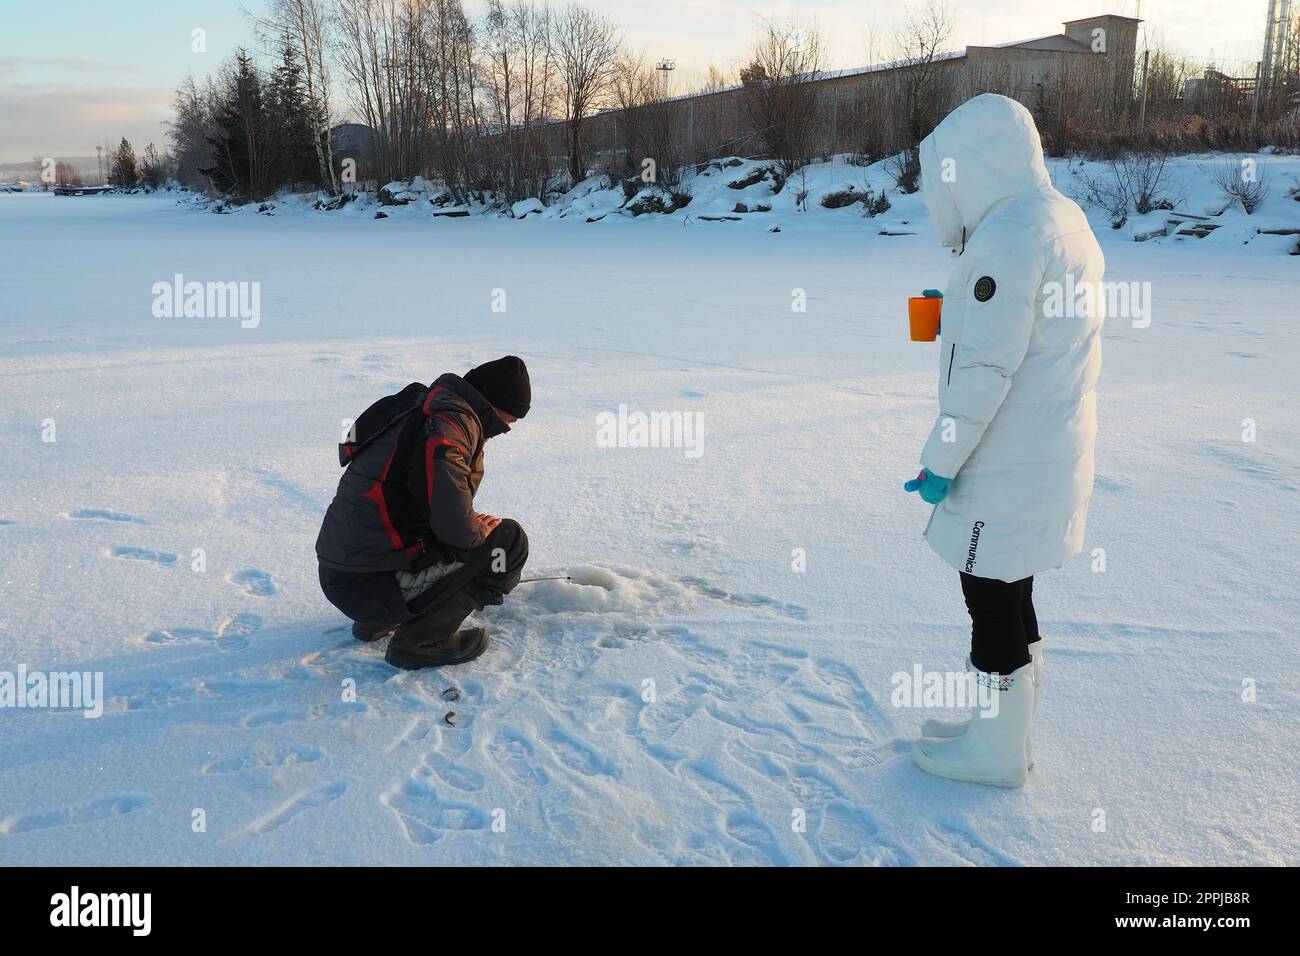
point(74, 73)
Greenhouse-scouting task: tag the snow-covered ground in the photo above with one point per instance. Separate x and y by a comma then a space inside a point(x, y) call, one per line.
point(690, 697)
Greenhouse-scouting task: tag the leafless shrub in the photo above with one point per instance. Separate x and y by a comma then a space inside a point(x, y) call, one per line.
point(841, 198)
point(652, 123)
point(801, 195)
point(875, 203)
point(1138, 182)
point(1244, 181)
point(905, 169)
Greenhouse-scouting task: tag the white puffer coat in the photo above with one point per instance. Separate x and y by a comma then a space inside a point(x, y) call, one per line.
point(1020, 348)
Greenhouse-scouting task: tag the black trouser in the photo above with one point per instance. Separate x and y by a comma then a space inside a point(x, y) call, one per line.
point(491, 571)
point(1003, 622)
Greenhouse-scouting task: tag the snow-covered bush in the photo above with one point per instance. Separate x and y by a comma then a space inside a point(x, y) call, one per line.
point(1243, 181)
point(840, 198)
point(874, 204)
point(905, 168)
point(1138, 181)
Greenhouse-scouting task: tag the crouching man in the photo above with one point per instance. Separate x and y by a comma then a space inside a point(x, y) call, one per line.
point(402, 550)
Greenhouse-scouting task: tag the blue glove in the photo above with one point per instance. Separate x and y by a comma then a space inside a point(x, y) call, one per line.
point(933, 488)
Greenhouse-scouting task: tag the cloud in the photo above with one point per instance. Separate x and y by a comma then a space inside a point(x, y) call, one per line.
point(12, 66)
point(67, 120)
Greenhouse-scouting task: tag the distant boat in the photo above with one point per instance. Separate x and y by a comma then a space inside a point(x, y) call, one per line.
point(80, 190)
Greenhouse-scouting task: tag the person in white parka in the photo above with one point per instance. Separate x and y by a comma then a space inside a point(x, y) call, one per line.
point(1009, 462)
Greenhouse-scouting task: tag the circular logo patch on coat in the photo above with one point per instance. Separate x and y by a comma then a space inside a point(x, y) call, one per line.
point(984, 288)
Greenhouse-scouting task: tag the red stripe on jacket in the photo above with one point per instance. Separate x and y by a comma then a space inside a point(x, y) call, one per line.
point(376, 494)
point(430, 448)
point(428, 400)
point(460, 428)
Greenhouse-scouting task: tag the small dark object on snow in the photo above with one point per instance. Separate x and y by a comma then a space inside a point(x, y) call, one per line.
point(451, 693)
point(450, 718)
point(381, 215)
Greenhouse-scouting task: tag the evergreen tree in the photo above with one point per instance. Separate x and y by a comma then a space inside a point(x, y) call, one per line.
point(122, 168)
point(242, 142)
point(293, 152)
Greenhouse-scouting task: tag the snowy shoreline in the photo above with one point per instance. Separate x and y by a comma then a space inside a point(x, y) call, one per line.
point(742, 193)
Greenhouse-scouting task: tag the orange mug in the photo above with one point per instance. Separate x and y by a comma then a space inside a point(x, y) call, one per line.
point(923, 317)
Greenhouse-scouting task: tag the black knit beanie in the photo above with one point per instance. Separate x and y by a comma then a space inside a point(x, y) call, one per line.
point(504, 383)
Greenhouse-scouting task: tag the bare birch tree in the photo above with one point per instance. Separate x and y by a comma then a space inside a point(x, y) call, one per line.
point(780, 96)
point(586, 46)
point(305, 24)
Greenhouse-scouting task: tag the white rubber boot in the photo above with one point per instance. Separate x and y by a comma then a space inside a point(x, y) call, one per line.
point(992, 750)
point(936, 727)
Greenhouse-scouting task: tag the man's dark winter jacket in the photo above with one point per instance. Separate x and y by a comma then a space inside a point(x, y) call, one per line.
point(413, 467)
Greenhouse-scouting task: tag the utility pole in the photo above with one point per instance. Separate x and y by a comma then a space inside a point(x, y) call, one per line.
point(1280, 38)
point(835, 120)
point(1266, 61)
point(664, 68)
point(99, 153)
point(1142, 101)
point(1254, 103)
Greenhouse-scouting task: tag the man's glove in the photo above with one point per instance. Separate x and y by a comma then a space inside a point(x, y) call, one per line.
point(933, 488)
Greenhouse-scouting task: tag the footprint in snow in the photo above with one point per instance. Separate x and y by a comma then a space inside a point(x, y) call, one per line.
point(102, 514)
point(759, 847)
point(425, 817)
point(513, 752)
point(271, 716)
point(162, 558)
point(453, 774)
point(105, 808)
point(232, 634)
point(577, 755)
point(287, 811)
point(254, 582)
point(280, 757)
point(843, 833)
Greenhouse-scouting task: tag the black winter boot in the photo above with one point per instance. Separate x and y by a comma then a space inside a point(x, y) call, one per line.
point(433, 638)
point(460, 648)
